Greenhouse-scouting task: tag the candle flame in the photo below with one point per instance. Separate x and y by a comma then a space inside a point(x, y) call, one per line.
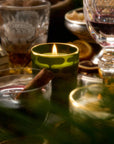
point(54, 50)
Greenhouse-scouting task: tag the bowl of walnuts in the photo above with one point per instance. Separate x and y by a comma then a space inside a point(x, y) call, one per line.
point(75, 23)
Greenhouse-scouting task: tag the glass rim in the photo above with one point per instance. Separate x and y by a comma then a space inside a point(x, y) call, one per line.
point(51, 43)
point(72, 93)
point(43, 4)
point(28, 90)
point(74, 21)
point(24, 91)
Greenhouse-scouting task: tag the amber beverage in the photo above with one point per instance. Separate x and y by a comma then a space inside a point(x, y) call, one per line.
point(19, 54)
point(23, 25)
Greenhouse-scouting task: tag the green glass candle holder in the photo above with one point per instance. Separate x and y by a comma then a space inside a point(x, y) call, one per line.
point(64, 65)
point(42, 56)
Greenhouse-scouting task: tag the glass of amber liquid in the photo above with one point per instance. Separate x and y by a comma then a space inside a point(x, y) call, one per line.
point(23, 25)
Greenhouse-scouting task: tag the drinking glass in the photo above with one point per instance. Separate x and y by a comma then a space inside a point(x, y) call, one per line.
point(22, 25)
point(99, 16)
point(25, 114)
point(92, 113)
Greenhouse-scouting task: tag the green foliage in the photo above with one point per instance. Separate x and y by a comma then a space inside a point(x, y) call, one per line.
point(60, 127)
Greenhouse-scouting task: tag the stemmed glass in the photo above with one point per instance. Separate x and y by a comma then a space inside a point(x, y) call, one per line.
point(99, 16)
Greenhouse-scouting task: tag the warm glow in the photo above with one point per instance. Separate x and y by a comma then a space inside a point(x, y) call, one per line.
point(73, 102)
point(99, 97)
point(54, 50)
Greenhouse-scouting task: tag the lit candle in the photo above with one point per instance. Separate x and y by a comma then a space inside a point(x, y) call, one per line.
point(46, 55)
point(62, 59)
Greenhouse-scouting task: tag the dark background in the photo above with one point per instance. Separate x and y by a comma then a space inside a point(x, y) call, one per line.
point(57, 30)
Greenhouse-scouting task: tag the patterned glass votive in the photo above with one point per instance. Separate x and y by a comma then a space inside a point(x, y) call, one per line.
point(64, 65)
